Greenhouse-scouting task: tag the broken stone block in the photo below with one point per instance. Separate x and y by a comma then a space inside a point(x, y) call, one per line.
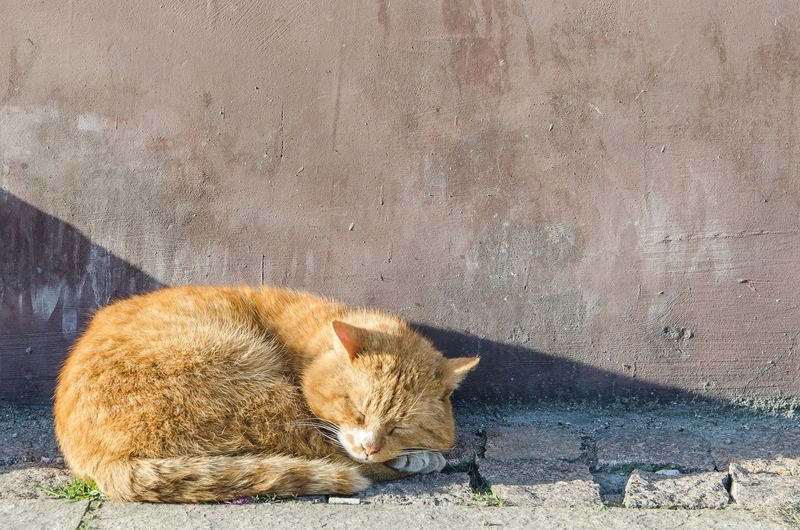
point(775, 466)
point(764, 482)
point(540, 482)
point(690, 491)
point(433, 489)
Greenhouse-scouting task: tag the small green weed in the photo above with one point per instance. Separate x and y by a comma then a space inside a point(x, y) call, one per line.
point(77, 490)
point(267, 497)
point(490, 497)
point(253, 499)
point(791, 515)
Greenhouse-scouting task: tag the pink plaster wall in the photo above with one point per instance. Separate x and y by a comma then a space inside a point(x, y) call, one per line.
point(598, 197)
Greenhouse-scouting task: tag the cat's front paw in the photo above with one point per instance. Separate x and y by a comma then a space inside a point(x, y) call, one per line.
point(418, 462)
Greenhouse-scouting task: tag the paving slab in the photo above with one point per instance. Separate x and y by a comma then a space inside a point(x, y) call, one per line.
point(21, 483)
point(776, 466)
point(692, 491)
point(290, 516)
point(540, 482)
point(656, 448)
point(434, 489)
point(758, 483)
point(28, 514)
point(733, 445)
point(544, 443)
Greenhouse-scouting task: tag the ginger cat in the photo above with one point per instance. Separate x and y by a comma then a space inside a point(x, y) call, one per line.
point(193, 394)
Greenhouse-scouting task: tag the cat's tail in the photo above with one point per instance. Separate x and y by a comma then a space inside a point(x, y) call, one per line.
point(218, 478)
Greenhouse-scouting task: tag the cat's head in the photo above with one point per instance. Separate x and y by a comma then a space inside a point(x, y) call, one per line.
point(386, 388)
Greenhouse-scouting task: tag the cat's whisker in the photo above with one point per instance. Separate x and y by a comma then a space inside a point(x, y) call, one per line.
point(315, 424)
point(321, 428)
point(414, 404)
point(327, 429)
point(412, 414)
point(318, 422)
point(333, 439)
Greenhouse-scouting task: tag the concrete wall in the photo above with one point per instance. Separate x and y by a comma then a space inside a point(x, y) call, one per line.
point(597, 197)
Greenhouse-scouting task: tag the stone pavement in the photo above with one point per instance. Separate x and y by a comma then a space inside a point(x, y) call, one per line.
point(555, 466)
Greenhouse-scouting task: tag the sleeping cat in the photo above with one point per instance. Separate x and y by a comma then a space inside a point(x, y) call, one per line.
point(193, 394)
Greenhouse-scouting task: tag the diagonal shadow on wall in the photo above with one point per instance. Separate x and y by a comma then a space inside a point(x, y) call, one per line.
point(51, 280)
point(510, 372)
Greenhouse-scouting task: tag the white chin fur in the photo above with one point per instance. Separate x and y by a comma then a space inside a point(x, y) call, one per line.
point(353, 440)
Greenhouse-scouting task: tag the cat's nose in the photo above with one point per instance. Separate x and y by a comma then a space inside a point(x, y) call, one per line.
point(369, 449)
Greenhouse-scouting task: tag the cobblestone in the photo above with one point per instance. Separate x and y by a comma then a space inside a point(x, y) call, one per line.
point(693, 491)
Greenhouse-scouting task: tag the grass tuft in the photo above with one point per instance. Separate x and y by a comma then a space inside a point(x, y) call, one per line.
point(490, 498)
point(76, 490)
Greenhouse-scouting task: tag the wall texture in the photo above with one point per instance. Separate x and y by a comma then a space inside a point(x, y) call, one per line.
point(599, 197)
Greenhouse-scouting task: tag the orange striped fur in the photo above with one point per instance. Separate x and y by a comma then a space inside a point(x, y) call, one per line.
point(203, 393)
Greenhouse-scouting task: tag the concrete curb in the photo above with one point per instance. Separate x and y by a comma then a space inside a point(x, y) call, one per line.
point(24, 514)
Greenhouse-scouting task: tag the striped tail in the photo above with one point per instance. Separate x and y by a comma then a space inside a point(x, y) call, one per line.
point(219, 478)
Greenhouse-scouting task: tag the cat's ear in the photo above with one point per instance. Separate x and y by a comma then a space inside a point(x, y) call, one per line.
point(454, 370)
point(349, 338)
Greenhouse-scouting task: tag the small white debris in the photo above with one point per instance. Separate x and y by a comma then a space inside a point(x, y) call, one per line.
point(344, 500)
point(352, 226)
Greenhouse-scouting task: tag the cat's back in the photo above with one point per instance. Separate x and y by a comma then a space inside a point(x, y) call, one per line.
point(174, 321)
point(184, 307)
point(165, 359)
